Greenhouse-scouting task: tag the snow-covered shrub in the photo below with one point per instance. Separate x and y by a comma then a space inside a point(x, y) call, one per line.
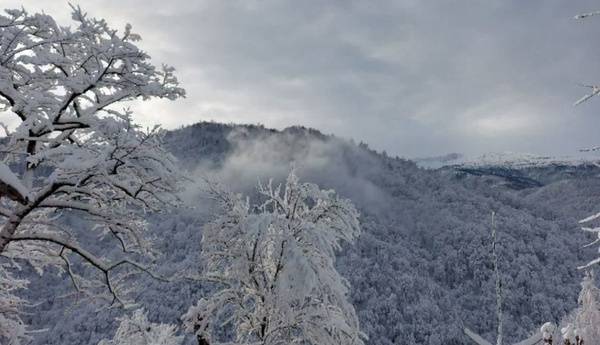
point(137, 330)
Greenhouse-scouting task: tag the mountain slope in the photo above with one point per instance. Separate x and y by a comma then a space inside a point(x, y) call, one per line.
point(422, 267)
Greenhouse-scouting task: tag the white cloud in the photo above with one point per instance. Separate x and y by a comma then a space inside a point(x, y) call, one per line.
point(501, 119)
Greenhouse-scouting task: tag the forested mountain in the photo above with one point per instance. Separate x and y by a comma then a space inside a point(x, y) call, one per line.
point(422, 267)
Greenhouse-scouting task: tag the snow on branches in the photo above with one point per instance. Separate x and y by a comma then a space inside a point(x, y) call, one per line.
point(583, 323)
point(594, 89)
point(12, 328)
point(137, 330)
point(74, 153)
point(595, 230)
point(273, 266)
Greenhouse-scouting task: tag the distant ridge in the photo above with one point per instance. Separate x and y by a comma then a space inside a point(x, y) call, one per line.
point(512, 160)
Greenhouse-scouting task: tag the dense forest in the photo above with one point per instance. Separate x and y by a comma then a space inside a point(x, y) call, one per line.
point(422, 268)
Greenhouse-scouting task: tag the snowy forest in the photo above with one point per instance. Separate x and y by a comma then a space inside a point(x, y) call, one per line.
point(117, 233)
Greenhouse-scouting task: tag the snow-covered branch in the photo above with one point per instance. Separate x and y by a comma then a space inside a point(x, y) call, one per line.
point(137, 330)
point(588, 14)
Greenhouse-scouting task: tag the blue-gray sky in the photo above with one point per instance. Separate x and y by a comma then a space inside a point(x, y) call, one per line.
point(413, 77)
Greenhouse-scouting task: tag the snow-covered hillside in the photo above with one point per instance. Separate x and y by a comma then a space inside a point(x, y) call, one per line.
point(420, 271)
point(512, 160)
point(524, 160)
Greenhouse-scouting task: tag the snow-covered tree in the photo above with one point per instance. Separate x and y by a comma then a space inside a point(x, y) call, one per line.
point(584, 322)
point(74, 159)
point(137, 330)
point(273, 266)
point(499, 293)
point(587, 318)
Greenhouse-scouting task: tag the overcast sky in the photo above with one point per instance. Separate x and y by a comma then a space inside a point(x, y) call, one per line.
point(413, 77)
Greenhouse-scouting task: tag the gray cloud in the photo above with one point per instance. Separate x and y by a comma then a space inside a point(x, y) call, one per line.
point(411, 77)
